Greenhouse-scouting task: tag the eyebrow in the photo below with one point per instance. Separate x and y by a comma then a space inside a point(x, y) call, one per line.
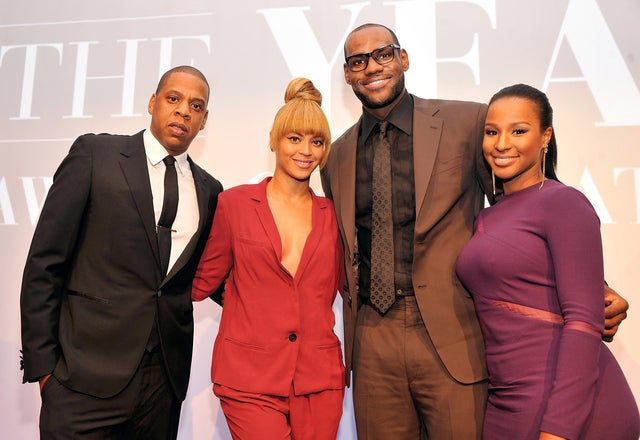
point(178, 92)
point(511, 123)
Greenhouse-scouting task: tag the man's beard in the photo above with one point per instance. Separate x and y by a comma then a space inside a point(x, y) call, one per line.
point(396, 91)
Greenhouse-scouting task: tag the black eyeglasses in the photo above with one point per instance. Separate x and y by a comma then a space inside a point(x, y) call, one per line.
point(381, 55)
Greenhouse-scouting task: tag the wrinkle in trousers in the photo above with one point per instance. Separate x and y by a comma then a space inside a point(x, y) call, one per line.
point(402, 391)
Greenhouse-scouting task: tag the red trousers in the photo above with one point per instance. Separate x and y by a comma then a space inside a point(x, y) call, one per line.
point(253, 416)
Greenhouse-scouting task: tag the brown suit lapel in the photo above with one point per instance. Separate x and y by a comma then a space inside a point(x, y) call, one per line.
point(427, 130)
point(426, 138)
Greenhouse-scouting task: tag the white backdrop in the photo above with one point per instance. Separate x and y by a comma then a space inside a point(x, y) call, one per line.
point(76, 67)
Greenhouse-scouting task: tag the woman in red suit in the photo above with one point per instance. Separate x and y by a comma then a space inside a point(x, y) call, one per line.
point(277, 364)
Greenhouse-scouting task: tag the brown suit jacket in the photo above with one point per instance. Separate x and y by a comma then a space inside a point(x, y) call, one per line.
point(450, 181)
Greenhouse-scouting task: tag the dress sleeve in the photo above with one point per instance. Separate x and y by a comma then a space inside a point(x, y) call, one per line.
point(573, 236)
point(217, 258)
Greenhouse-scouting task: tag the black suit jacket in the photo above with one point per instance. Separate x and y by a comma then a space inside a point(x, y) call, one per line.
point(92, 284)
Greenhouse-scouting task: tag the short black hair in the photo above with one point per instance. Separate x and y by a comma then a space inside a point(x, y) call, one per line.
point(367, 25)
point(185, 69)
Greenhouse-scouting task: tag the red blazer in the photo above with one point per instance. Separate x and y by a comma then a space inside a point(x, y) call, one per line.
point(275, 329)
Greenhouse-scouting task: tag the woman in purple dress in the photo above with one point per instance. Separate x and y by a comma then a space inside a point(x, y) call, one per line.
point(534, 267)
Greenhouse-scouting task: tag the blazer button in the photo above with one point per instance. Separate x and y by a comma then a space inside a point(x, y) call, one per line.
point(293, 337)
point(159, 293)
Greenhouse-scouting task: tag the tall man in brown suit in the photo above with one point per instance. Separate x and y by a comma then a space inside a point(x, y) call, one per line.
point(420, 364)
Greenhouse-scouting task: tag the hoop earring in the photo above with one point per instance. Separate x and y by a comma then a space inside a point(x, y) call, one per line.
point(493, 182)
point(544, 163)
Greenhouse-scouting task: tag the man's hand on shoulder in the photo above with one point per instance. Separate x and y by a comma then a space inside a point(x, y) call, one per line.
point(615, 311)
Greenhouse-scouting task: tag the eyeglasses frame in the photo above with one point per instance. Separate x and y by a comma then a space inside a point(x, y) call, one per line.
point(369, 55)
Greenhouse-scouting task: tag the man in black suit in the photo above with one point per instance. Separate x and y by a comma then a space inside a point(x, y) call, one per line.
point(105, 331)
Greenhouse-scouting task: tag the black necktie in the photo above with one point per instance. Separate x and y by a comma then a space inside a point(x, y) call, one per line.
point(382, 293)
point(167, 216)
point(169, 210)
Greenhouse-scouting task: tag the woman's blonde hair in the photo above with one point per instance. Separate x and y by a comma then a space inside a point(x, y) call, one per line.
point(301, 113)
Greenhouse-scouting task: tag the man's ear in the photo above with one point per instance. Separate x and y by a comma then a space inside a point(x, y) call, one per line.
point(346, 74)
point(404, 58)
point(152, 102)
point(204, 120)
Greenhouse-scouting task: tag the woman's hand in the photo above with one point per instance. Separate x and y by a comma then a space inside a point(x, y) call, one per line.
point(42, 381)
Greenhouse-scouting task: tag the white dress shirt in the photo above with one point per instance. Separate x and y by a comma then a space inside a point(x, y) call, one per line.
point(187, 217)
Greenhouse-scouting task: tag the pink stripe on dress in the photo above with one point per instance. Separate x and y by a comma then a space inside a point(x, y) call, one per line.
point(545, 315)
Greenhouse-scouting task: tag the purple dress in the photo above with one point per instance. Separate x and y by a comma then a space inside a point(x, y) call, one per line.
point(534, 267)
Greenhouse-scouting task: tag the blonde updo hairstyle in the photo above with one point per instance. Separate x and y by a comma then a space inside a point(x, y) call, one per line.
point(302, 114)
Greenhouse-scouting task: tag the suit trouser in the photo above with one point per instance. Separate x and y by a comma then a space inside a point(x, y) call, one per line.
point(400, 384)
point(252, 416)
point(146, 409)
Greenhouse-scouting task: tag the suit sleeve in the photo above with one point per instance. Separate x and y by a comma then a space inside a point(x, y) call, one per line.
point(339, 257)
point(216, 260)
point(49, 258)
point(483, 170)
point(326, 181)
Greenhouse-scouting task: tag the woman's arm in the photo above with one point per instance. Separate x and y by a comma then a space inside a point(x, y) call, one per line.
point(216, 260)
point(572, 229)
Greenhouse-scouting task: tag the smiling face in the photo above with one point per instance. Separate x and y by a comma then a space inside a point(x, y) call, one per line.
point(514, 142)
point(378, 87)
point(298, 155)
point(178, 111)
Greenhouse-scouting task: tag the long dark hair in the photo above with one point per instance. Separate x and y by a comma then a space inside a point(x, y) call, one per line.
point(545, 113)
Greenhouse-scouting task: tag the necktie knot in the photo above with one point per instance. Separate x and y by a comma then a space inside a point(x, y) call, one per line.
point(383, 128)
point(169, 161)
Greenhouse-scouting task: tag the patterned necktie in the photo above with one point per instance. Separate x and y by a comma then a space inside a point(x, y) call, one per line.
point(169, 210)
point(382, 293)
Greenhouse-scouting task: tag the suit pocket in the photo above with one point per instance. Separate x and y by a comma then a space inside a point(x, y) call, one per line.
point(244, 345)
point(449, 164)
point(88, 296)
point(331, 351)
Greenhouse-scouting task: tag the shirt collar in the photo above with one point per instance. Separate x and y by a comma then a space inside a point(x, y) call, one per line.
point(156, 152)
point(400, 117)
